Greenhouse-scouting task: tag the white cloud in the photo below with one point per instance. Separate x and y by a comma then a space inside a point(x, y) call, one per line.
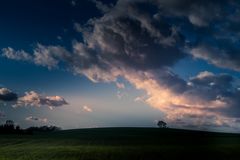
point(87, 108)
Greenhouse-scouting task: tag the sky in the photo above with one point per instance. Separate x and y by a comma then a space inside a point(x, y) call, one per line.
point(121, 63)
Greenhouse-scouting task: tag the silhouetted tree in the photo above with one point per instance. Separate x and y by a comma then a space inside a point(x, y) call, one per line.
point(9, 125)
point(162, 124)
point(10, 128)
point(43, 129)
point(18, 128)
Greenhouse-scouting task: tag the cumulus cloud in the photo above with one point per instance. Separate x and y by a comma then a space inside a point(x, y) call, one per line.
point(140, 41)
point(36, 119)
point(34, 99)
point(87, 108)
point(7, 95)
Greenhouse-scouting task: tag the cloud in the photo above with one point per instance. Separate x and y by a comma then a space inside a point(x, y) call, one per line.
point(73, 3)
point(221, 57)
point(34, 99)
point(148, 34)
point(31, 98)
point(87, 109)
point(36, 119)
point(206, 98)
point(120, 85)
point(141, 40)
point(15, 55)
point(199, 12)
point(139, 99)
point(46, 56)
point(126, 38)
point(102, 7)
point(121, 94)
point(7, 95)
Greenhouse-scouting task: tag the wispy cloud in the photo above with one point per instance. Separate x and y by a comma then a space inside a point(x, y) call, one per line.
point(46, 56)
point(36, 119)
point(87, 108)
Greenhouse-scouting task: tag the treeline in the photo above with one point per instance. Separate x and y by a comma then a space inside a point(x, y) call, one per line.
point(10, 128)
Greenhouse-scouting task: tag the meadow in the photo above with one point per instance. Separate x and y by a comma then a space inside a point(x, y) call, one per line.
point(120, 144)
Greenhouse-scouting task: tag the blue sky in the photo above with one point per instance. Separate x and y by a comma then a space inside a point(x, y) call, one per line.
point(88, 63)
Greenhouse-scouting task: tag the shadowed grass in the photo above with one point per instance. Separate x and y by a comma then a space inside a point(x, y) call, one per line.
point(119, 144)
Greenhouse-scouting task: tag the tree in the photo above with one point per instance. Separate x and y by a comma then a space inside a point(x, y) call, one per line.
point(9, 125)
point(18, 128)
point(162, 124)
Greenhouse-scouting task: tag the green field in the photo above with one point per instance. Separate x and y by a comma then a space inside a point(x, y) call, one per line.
point(120, 144)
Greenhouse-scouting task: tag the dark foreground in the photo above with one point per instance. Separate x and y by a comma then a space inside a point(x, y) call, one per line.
point(120, 144)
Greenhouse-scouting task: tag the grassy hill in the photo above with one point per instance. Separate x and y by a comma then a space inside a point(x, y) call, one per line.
point(120, 144)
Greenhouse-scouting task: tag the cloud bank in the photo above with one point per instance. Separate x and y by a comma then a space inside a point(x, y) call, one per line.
point(140, 40)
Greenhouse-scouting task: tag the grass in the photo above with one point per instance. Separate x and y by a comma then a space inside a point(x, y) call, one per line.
point(120, 144)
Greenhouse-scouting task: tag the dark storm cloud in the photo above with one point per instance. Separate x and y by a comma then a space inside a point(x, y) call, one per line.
point(7, 95)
